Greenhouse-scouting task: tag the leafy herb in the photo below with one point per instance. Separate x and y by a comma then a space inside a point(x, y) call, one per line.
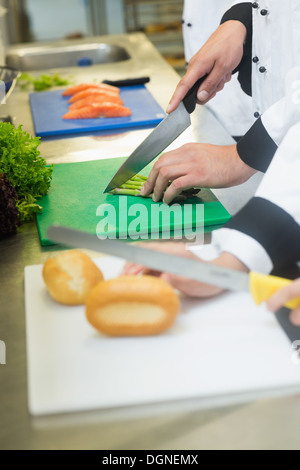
point(41, 83)
point(20, 160)
point(9, 214)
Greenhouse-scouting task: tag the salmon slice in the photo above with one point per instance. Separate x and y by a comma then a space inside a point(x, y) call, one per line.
point(90, 92)
point(84, 86)
point(87, 112)
point(95, 99)
point(98, 110)
point(115, 110)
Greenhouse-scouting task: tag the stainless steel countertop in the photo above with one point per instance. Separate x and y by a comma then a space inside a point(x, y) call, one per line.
point(268, 423)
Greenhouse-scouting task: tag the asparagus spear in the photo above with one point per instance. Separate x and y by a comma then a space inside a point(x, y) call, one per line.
point(127, 192)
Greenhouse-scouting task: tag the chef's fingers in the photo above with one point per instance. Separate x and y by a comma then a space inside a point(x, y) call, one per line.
point(191, 288)
point(221, 85)
point(136, 269)
point(167, 159)
point(206, 92)
point(178, 248)
point(211, 84)
point(151, 272)
point(132, 269)
point(219, 88)
point(228, 77)
point(176, 187)
point(166, 174)
point(282, 296)
point(148, 187)
point(194, 72)
point(212, 96)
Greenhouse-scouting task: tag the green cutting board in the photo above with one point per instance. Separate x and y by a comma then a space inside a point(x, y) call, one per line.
point(76, 200)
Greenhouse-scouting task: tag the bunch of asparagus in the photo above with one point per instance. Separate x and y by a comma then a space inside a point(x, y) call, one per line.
point(133, 188)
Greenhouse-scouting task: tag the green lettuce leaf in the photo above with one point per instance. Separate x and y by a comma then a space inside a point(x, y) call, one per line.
point(21, 161)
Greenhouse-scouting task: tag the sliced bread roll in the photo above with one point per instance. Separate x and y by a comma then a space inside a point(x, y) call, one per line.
point(70, 277)
point(132, 306)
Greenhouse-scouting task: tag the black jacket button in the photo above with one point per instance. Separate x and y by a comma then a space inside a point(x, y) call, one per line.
point(264, 12)
point(262, 69)
point(256, 115)
point(255, 5)
point(255, 59)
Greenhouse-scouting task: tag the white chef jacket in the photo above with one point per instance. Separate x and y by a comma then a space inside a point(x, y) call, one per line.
point(232, 107)
point(275, 47)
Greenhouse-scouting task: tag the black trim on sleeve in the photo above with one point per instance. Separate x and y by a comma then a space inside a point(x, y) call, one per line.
point(257, 148)
point(243, 12)
point(273, 228)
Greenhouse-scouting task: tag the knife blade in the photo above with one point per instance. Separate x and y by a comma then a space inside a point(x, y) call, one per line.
point(260, 286)
point(162, 136)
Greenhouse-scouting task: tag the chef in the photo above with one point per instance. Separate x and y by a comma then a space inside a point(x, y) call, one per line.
point(265, 234)
point(232, 106)
point(248, 40)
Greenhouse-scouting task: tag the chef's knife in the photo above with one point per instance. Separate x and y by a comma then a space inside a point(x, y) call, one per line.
point(162, 136)
point(260, 286)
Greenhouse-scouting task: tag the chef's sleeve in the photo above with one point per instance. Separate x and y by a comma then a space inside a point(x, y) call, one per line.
point(242, 11)
point(260, 143)
point(265, 234)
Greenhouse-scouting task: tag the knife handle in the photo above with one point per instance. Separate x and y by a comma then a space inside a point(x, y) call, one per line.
point(262, 287)
point(128, 81)
point(190, 99)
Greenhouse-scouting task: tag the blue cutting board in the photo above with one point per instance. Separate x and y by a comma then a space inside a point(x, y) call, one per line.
point(48, 108)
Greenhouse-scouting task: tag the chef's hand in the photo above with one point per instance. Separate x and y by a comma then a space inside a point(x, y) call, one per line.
point(219, 56)
point(195, 165)
point(282, 296)
point(186, 286)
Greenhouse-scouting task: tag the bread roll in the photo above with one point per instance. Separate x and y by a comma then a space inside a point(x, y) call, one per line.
point(132, 306)
point(70, 277)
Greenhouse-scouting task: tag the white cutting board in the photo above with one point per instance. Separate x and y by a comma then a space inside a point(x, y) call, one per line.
point(223, 346)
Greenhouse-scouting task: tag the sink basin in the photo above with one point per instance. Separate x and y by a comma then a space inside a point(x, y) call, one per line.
point(9, 76)
point(48, 56)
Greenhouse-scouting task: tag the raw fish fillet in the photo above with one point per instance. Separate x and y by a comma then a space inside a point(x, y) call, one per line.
point(84, 86)
point(90, 92)
point(95, 99)
point(98, 110)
